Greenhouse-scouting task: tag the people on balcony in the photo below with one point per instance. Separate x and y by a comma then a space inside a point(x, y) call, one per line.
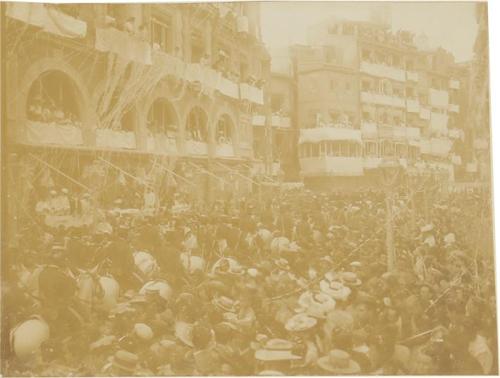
point(46, 111)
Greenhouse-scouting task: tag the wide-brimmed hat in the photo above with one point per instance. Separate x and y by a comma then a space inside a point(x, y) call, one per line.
point(449, 240)
point(282, 263)
point(335, 289)
point(143, 331)
point(125, 360)
point(227, 266)
point(276, 350)
point(350, 279)
point(300, 322)
point(315, 304)
point(339, 362)
point(162, 288)
point(225, 304)
point(427, 228)
point(184, 332)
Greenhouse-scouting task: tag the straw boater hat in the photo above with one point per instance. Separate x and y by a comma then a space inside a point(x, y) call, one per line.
point(227, 266)
point(125, 360)
point(184, 332)
point(335, 289)
point(162, 288)
point(350, 279)
point(300, 322)
point(143, 331)
point(225, 304)
point(276, 350)
point(339, 362)
point(315, 304)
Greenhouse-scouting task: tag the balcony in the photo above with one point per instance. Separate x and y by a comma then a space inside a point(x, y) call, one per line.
point(162, 144)
point(438, 98)
point(412, 76)
point(481, 144)
point(382, 99)
point(439, 123)
point(194, 147)
point(412, 106)
point(228, 88)
point(455, 108)
point(251, 93)
point(276, 121)
point(471, 167)
point(320, 134)
point(382, 70)
point(454, 84)
point(372, 162)
point(115, 139)
point(456, 134)
point(206, 76)
point(129, 48)
point(425, 113)
point(224, 150)
point(456, 159)
point(436, 146)
point(332, 165)
point(52, 133)
point(369, 130)
point(48, 18)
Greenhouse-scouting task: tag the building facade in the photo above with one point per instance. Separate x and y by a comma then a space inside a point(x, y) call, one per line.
point(367, 95)
point(122, 91)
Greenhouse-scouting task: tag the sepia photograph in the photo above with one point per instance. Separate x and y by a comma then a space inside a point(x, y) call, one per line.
point(246, 188)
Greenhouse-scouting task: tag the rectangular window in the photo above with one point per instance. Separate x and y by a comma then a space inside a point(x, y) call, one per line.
point(161, 34)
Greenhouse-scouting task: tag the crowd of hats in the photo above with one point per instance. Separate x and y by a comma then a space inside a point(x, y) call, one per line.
point(297, 285)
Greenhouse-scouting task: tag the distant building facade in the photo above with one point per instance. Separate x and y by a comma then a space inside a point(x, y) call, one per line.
point(367, 95)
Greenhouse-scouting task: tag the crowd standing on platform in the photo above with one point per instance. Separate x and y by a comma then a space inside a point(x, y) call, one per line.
point(296, 284)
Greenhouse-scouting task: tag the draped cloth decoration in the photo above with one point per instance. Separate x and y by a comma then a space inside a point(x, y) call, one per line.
point(48, 18)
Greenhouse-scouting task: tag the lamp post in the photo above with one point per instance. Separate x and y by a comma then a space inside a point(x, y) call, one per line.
point(390, 170)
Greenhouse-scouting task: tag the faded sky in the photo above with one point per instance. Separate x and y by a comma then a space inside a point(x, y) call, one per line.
point(451, 25)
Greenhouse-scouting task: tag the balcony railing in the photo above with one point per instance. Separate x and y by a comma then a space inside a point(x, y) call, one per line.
point(412, 76)
point(224, 150)
point(332, 165)
point(48, 18)
point(454, 84)
point(276, 121)
point(412, 106)
point(481, 144)
point(52, 133)
point(439, 123)
point(196, 148)
point(369, 130)
point(382, 70)
point(320, 134)
point(436, 146)
point(438, 98)
point(455, 108)
point(456, 133)
point(425, 113)
point(160, 143)
point(115, 139)
point(382, 99)
point(251, 93)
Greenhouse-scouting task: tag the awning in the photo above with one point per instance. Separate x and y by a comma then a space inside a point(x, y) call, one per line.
point(321, 134)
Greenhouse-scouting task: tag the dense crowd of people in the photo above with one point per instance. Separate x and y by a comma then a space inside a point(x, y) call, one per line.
point(297, 284)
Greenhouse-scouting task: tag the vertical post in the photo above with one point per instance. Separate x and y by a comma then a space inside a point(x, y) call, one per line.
point(389, 228)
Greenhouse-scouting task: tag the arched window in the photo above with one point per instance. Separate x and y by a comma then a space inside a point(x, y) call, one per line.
point(196, 125)
point(53, 99)
point(224, 130)
point(162, 118)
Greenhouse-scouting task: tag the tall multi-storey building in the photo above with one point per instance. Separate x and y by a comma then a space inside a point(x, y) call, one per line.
point(365, 95)
point(274, 142)
point(118, 92)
